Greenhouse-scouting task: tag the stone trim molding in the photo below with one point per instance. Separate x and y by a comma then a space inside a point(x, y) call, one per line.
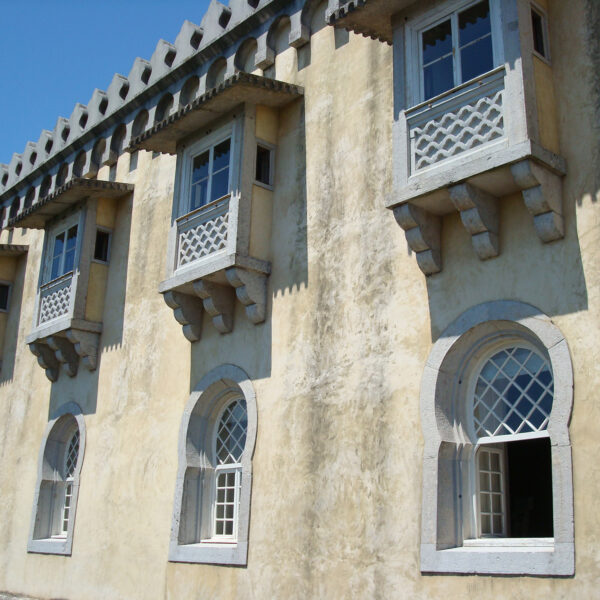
point(56, 545)
point(74, 190)
point(245, 87)
point(442, 549)
point(194, 437)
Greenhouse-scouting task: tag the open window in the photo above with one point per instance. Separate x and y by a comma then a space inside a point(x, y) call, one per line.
point(497, 484)
point(212, 497)
point(57, 488)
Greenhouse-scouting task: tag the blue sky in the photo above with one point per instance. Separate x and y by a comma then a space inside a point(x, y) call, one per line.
point(53, 53)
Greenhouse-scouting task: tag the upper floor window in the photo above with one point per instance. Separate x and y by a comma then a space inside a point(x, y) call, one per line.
point(457, 47)
point(210, 177)
point(63, 253)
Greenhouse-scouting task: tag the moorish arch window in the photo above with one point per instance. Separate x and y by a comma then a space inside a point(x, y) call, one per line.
point(57, 488)
point(212, 495)
point(511, 407)
point(496, 399)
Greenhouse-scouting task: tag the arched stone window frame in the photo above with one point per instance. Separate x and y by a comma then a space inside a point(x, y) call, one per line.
point(449, 452)
point(196, 438)
point(55, 435)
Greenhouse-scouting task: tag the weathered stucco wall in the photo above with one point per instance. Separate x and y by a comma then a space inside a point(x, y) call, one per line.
point(336, 498)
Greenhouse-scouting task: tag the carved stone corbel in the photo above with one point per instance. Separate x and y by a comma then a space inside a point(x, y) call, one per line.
point(479, 214)
point(422, 230)
point(188, 312)
point(542, 193)
point(46, 358)
point(65, 354)
point(251, 290)
point(85, 343)
point(218, 302)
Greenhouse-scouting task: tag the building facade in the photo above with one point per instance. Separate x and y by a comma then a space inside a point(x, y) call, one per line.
point(307, 306)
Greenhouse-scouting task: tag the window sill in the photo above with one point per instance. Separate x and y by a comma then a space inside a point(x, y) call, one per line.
point(53, 545)
point(210, 552)
point(543, 558)
point(532, 544)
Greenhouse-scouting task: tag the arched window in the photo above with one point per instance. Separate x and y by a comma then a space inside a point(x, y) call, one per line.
point(497, 486)
point(510, 404)
point(55, 502)
point(212, 496)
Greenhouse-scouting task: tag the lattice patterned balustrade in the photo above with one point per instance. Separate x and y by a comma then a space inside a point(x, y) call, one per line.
point(454, 124)
point(55, 298)
point(202, 232)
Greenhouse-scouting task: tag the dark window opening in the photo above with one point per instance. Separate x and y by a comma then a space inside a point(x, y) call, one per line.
point(263, 165)
point(102, 245)
point(530, 488)
point(4, 292)
point(537, 22)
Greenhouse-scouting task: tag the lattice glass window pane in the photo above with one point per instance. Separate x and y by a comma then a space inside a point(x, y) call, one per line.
point(231, 433)
point(71, 455)
point(492, 520)
point(513, 394)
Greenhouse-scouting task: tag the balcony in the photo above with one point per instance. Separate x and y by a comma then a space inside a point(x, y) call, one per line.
point(69, 306)
point(220, 251)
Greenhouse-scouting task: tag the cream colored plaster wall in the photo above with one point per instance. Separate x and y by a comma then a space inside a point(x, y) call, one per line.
point(336, 497)
point(546, 105)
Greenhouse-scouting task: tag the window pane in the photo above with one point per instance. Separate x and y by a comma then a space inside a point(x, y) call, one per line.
point(474, 23)
point(437, 42)
point(101, 246)
point(221, 155)
point(55, 267)
point(220, 185)
point(4, 296)
point(263, 165)
point(537, 23)
point(59, 244)
point(200, 167)
point(477, 58)
point(69, 261)
point(199, 194)
point(438, 77)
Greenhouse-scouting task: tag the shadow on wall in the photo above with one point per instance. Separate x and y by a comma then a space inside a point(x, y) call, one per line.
point(548, 276)
point(249, 345)
point(11, 335)
point(116, 285)
point(81, 389)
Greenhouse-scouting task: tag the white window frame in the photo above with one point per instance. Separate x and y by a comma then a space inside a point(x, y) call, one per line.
point(414, 48)
point(271, 149)
point(208, 142)
point(449, 539)
point(109, 232)
point(193, 507)
point(63, 226)
point(547, 58)
point(48, 503)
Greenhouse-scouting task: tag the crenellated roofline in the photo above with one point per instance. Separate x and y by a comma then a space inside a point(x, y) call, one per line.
point(96, 134)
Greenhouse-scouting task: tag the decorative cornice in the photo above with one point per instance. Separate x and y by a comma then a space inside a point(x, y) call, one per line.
point(13, 250)
point(240, 87)
point(73, 191)
point(370, 18)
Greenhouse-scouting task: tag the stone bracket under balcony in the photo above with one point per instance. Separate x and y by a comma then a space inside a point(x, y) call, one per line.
point(67, 346)
point(477, 199)
point(216, 293)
